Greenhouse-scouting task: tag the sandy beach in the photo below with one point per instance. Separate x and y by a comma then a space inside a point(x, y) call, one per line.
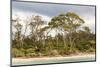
point(42, 59)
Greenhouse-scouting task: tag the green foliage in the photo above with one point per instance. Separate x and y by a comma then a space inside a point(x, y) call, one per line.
point(17, 53)
point(69, 39)
point(53, 53)
point(90, 50)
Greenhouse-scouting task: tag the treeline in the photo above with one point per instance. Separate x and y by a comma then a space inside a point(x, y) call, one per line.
point(70, 36)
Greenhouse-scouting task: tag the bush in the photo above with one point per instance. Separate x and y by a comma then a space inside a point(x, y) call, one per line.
point(17, 53)
point(54, 53)
point(30, 50)
point(91, 50)
point(31, 55)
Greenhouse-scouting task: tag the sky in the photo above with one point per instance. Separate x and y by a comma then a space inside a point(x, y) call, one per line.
point(47, 11)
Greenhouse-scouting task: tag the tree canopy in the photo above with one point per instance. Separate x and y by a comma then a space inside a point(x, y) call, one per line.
point(69, 38)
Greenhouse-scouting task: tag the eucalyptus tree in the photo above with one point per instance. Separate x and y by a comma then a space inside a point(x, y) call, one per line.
point(18, 35)
point(86, 29)
point(36, 23)
point(73, 22)
point(45, 30)
point(68, 23)
point(56, 24)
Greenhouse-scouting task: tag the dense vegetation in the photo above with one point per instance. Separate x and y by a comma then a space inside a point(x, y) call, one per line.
point(70, 36)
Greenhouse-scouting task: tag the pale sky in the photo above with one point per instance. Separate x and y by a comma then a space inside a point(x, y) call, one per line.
point(47, 11)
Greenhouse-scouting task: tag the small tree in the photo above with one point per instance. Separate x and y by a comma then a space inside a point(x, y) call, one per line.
point(18, 36)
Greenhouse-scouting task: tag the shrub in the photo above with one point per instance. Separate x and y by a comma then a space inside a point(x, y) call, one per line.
point(30, 50)
point(91, 50)
point(17, 53)
point(31, 55)
point(54, 53)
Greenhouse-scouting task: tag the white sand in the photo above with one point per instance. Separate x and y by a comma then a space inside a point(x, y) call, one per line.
point(14, 60)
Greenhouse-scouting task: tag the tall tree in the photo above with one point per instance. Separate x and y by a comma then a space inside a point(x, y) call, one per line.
point(56, 23)
point(36, 24)
point(18, 36)
point(68, 23)
point(73, 22)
